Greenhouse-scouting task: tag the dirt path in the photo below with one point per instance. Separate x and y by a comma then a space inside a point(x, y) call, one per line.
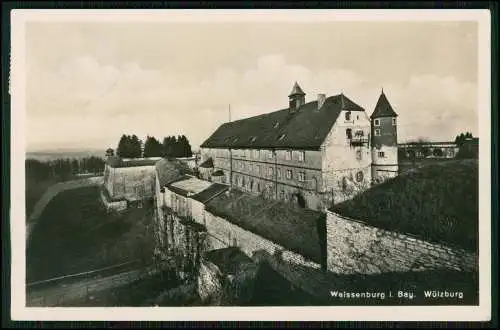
point(51, 192)
point(57, 295)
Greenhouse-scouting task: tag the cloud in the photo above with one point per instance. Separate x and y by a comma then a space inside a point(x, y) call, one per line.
point(87, 99)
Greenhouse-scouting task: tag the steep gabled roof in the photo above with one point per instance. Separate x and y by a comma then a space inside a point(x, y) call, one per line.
point(306, 128)
point(296, 90)
point(383, 108)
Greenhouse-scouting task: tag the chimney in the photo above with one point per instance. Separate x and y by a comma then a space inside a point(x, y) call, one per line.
point(321, 100)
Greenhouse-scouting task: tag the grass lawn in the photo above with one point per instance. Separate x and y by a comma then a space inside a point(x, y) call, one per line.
point(406, 165)
point(75, 234)
point(438, 202)
point(292, 227)
point(34, 191)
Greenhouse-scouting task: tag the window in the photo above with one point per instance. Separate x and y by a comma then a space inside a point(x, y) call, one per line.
point(278, 173)
point(288, 155)
point(344, 184)
point(270, 171)
point(301, 156)
point(269, 154)
point(281, 137)
point(359, 154)
point(276, 124)
point(251, 185)
point(282, 194)
point(381, 154)
point(376, 122)
point(359, 176)
point(252, 139)
point(258, 169)
point(256, 154)
point(302, 176)
point(357, 117)
point(377, 132)
point(348, 133)
point(288, 174)
point(394, 121)
point(348, 115)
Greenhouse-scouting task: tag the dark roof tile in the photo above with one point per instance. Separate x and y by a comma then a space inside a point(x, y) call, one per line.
point(305, 129)
point(212, 191)
point(383, 108)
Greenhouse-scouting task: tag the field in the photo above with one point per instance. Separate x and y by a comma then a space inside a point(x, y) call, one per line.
point(438, 202)
point(47, 155)
point(75, 234)
point(34, 191)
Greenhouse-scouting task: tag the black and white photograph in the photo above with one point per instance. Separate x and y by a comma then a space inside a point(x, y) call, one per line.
point(330, 162)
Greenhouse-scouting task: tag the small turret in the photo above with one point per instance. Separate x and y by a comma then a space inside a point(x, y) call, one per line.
point(384, 142)
point(296, 98)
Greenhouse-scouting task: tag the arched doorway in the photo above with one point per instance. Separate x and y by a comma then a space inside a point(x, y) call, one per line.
point(300, 200)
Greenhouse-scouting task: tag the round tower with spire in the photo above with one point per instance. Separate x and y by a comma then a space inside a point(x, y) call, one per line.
point(384, 141)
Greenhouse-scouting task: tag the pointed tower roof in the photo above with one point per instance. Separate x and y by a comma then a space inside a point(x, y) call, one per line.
point(383, 108)
point(296, 90)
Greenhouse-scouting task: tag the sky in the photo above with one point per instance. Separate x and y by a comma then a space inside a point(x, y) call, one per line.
point(90, 82)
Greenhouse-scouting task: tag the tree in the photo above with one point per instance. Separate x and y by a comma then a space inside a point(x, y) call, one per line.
point(460, 139)
point(129, 147)
point(169, 146)
point(185, 147)
point(152, 147)
point(123, 149)
point(135, 147)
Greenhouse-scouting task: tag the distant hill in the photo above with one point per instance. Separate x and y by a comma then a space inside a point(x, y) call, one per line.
point(438, 203)
point(46, 155)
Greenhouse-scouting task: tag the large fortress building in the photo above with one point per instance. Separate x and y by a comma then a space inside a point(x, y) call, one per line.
point(314, 154)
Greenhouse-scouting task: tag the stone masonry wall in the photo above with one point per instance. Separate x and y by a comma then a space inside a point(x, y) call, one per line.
point(130, 182)
point(355, 247)
point(209, 283)
point(113, 205)
point(223, 232)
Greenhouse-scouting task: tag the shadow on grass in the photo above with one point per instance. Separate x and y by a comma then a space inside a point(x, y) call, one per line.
point(75, 234)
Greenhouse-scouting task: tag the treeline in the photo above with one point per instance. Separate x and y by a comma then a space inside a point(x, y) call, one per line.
point(130, 146)
point(462, 137)
point(63, 168)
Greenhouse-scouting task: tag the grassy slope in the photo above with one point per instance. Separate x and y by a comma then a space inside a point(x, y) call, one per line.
point(437, 202)
point(75, 234)
point(34, 191)
point(291, 227)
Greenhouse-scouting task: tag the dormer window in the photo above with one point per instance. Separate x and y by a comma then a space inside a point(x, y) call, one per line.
point(394, 121)
point(281, 137)
point(348, 133)
point(376, 122)
point(252, 139)
point(276, 124)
